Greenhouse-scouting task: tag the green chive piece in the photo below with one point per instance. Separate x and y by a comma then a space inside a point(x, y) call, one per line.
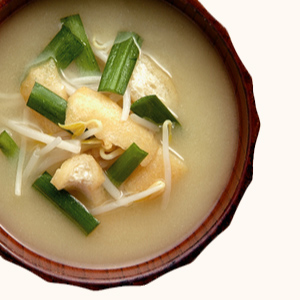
point(120, 63)
point(121, 169)
point(86, 61)
point(63, 48)
point(8, 146)
point(48, 104)
point(66, 202)
point(151, 108)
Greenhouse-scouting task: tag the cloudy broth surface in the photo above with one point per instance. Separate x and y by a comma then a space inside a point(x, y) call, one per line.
point(207, 140)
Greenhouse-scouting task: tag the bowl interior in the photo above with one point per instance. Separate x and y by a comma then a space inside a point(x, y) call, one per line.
point(222, 213)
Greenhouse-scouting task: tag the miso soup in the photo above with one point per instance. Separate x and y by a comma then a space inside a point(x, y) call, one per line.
point(205, 142)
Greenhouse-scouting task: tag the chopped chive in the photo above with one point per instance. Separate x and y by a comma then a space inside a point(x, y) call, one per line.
point(7, 145)
point(66, 202)
point(120, 63)
point(48, 104)
point(63, 48)
point(126, 164)
point(152, 109)
point(86, 61)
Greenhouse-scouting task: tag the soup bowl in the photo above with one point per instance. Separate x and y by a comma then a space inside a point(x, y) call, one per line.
point(217, 220)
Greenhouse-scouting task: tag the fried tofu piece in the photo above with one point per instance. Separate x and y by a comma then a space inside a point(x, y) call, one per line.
point(47, 75)
point(81, 173)
point(86, 104)
point(148, 78)
point(143, 177)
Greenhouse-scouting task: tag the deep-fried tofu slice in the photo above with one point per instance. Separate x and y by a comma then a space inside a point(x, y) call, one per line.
point(47, 75)
point(85, 105)
point(143, 177)
point(148, 78)
point(81, 173)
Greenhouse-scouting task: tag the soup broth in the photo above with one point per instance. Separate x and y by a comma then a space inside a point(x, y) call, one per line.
point(207, 141)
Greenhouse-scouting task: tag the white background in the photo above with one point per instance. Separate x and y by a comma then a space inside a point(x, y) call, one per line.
point(257, 257)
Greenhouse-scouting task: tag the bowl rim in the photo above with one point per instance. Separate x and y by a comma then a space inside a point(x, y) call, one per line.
point(142, 273)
